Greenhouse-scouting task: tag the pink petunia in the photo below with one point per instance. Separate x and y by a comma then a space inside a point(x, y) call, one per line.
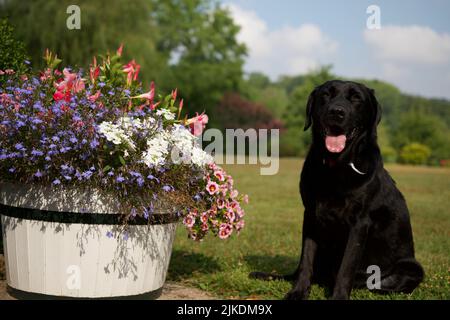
point(212, 187)
point(225, 230)
point(204, 217)
point(239, 225)
point(205, 227)
point(189, 221)
point(231, 216)
point(220, 203)
point(219, 175)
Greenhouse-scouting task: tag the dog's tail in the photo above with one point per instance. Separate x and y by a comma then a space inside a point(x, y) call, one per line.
point(267, 276)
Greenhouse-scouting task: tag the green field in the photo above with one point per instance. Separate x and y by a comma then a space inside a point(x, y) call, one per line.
point(271, 239)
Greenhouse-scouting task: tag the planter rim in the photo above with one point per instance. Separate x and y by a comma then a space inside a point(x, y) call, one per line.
point(72, 205)
point(85, 218)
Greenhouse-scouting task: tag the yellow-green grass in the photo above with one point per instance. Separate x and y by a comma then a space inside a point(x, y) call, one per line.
point(272, 237)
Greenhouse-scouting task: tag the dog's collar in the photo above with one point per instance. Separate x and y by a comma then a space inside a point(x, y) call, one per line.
point(331, 163)
point(352, 165)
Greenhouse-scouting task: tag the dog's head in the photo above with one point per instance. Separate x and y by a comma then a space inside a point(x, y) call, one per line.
point(340, 112)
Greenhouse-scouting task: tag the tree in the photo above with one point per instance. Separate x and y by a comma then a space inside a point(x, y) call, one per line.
point(200, 40)
point(295, 141)
point(189, 44)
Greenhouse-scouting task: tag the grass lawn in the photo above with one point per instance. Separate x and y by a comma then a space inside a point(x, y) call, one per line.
point(271, 239)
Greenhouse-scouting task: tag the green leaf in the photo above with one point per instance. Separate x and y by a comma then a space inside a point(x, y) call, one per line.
point(122, 160)
point(107, 168)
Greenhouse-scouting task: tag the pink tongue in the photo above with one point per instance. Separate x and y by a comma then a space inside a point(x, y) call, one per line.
point(335, 144)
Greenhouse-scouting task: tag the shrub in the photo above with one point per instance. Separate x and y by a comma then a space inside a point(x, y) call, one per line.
point(415, 153)
point(235, 112)
point(12, 52)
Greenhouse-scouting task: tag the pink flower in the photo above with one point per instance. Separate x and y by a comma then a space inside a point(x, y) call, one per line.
point(189, 221)
point(9, 71)
point(148, 95)
point(234, 194)
point(219, 175)
point(230, 215)
point(204, 217)
point(225, 230)
point(212, 187)
point(78, 85)
point(94, 97)
point(69, 77)
point(224, 189)
point(119, 51)
point(220, 203)
point(245, 199)
point(193, 213)
point(197, 123)
point(239, 225)
point(94, 70)
point(174, 94)
point(240, 213)
point(205, 227)
point(132, 71)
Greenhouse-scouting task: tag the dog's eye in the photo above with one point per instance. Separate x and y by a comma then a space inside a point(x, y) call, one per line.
point(355, 97)
point(326, 95)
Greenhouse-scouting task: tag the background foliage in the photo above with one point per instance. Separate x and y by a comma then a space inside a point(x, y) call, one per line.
point(192, 45)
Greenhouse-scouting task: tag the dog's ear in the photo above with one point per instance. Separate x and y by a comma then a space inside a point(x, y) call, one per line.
point(376, 110)
point(309, 106)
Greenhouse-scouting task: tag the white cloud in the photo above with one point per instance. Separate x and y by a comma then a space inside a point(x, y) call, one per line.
point(415, 58)
point(287, 50)
point(409, 44)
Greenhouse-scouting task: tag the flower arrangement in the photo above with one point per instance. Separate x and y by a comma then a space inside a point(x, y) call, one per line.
point(102, 130)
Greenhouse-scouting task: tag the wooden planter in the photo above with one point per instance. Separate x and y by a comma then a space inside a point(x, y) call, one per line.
point(57, 245)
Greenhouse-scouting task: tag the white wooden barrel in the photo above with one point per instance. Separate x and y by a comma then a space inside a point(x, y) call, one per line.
point(58, 243)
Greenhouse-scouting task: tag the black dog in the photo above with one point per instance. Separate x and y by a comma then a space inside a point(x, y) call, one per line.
point(355, 216)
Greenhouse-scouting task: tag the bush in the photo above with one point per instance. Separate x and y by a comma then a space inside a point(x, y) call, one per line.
point(236, 112)
point(415, 153)
point(13, 54)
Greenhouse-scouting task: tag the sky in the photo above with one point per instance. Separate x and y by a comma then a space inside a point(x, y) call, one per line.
point(411, 47)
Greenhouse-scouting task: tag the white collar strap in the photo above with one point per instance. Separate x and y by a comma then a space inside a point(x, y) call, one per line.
point(356, 170)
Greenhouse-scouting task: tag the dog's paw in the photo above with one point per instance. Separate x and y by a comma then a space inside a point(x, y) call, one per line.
point(296, 294)
point(339, 296)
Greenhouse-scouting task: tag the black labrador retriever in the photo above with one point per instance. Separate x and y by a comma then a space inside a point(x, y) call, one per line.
point(356, 222)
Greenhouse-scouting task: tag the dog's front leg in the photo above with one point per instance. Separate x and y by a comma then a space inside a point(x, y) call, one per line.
point(302, 285)
point(350, 262)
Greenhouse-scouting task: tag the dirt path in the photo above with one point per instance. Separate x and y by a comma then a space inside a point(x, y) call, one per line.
point(171, 290)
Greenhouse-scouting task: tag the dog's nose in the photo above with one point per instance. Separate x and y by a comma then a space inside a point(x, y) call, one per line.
point(336, 112)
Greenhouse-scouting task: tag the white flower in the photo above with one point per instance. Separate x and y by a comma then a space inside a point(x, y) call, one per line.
point(166, 114)
point(116, 135)
point(184, 143)
point(157, 150)
point(201, 158)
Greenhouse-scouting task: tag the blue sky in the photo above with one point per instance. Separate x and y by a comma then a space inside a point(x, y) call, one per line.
point(411, 49)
